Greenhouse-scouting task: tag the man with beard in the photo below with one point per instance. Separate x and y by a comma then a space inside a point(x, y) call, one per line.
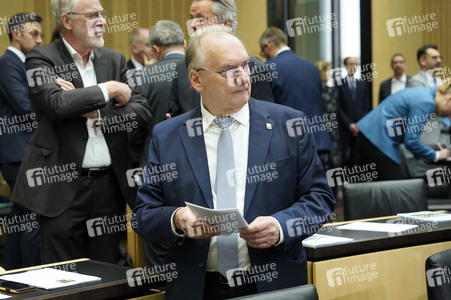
point(74, 172)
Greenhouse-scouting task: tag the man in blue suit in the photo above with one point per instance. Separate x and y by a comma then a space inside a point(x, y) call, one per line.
point(297, 84)
point(353, 104)
point(284, 184)
point(18, 122)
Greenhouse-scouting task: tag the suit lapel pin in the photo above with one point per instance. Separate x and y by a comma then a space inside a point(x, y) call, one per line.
point(268, 126)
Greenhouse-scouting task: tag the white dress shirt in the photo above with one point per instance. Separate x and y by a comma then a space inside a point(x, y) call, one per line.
point(137, 64)
point(96, 153)
point(397, 85)
point(17, 52)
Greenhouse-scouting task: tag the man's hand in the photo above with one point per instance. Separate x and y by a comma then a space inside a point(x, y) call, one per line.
point(119, 91)
point(354, 129)
point(444, 153)
point(65, 85)
point(262, 233)
point(168, 116)
point(192, 226)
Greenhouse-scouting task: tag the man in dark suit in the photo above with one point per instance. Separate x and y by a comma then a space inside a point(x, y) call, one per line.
point(74, 172)
point(212, 163)
point(142, 54)
point(353, 104)
point(297, 84)
point(18, 122)
point(204, 13)
point(399, 80)
point(168, 43)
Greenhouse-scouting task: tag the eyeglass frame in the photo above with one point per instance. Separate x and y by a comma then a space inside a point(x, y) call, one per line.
point(91, 15)
point(243, 66)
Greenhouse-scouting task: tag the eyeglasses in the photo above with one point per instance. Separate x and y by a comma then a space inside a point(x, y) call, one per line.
point(91, 15)
point(437, 57)
point(231, 72)
point(262, 52)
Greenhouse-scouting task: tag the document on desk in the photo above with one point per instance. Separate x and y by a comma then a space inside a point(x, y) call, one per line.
point(49, 279)
point(318, 240)
point(227, 220)
point(427, 216)
point(4, 296)
point(379, 227)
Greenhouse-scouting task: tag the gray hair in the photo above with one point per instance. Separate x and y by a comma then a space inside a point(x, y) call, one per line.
point(166, 34)
point(194, 56)
point(225, 10)
point(134, 36)
point(60, 7)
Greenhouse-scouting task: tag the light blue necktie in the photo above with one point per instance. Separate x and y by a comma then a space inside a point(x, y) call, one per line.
point(226, 195)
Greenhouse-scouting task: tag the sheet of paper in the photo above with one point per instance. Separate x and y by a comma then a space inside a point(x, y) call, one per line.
point(379, 227)
point(427, 216)
point(228, 220)
point(4, 296)
point(48, 278)
point(318, 240)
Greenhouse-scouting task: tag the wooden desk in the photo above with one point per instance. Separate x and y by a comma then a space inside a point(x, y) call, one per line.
point(376, 265)
point(114, 283)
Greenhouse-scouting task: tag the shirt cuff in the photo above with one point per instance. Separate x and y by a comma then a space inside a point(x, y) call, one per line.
point(174, 229)
point(104, 91)
point(281, 236)
point(437, 156)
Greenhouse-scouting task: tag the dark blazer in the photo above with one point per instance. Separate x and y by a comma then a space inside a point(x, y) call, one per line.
point(14, 102)
point(300, 191)
point(350, 110)
point(184, 97)
point(157, 92)
point(385, 88)
point(130, 65)
point(61, 136)
point(298, 85)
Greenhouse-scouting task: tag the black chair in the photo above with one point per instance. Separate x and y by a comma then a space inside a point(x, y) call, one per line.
point(303, 292)
point(383, 198)
point(438, 275)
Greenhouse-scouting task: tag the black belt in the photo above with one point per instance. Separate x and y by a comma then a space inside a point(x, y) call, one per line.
point(95, 172)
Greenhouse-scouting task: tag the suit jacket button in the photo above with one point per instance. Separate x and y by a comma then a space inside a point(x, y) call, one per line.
point(201, 266)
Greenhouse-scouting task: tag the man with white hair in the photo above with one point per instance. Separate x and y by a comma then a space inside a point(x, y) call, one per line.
point(210, 148)
point(204, 13)
point(74, 172)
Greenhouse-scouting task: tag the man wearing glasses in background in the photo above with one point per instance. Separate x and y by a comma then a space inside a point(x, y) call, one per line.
point(74, 170)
